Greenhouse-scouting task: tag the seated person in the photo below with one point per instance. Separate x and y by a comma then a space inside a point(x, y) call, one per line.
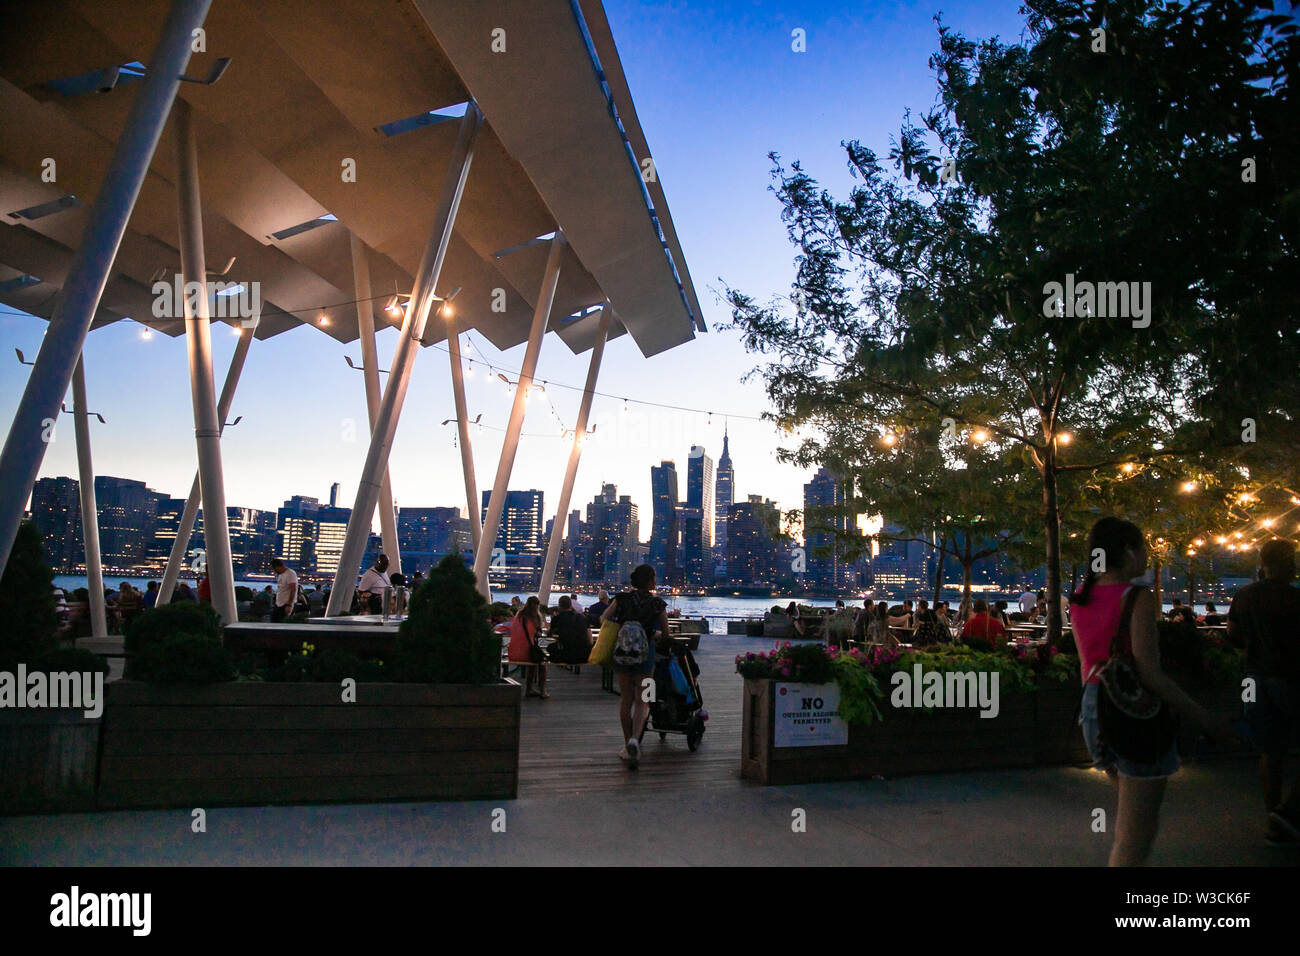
point(981, 625)
point(1211, 618)
point(572, 639)
point(596, 610)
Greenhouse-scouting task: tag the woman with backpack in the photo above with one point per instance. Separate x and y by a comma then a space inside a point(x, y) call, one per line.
point(524, 649)
point(1109, 613)
point(639, 615)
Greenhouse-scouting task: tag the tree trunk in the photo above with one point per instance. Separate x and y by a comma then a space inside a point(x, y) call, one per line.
point(1155, 584)
point(966, 563)
point(1191, 588)
point(938, 574)
point(1052, 525)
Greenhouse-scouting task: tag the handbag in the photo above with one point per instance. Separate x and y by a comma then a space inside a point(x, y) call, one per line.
point(1135, 722)
point(602, 652)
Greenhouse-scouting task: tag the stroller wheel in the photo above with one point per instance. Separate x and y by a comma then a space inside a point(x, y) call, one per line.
point(694, 733)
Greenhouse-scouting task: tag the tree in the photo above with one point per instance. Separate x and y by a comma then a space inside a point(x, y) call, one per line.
point(1143, 149)
point(28, 619)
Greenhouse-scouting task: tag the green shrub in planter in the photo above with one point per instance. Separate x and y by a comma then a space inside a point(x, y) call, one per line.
point(159, 623)
point(79, 595)
point(67, 660)
point(446, 637)
point(183, 659)
point(27, 617)
point(243, 592)
point(500, 611)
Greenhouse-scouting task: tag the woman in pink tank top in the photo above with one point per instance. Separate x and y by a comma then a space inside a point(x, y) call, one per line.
point(1118, 547)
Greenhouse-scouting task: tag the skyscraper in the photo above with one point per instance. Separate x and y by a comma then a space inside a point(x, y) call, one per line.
point(296, 528)
point(427, 535)
point(56, 512)
point(724, 490)
point(664, 531)
point(520, 531)
point(126, 517)
point(752, 548)
point(610, 538)
point(827, 569)
point(697, 527)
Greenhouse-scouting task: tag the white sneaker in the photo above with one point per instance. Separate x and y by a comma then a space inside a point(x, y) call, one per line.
point(633, 754)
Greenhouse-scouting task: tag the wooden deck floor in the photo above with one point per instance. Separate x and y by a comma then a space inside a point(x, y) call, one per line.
point(569, 744)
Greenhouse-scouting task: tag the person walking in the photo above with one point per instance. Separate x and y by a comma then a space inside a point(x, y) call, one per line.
point(1265, 616)
point(525, 629)
point(650, 611)
point(1099, 607)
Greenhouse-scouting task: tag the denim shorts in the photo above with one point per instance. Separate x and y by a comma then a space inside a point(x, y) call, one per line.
point(1274, 715)
point(647, 668)
point(1103, 758)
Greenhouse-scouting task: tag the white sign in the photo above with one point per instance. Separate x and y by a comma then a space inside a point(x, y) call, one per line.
point(808, 715)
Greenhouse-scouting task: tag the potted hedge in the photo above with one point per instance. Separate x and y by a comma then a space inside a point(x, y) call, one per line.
point(434, 722)
point(47, 754)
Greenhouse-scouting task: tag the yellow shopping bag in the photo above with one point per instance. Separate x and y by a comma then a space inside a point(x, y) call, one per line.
point(602, 652)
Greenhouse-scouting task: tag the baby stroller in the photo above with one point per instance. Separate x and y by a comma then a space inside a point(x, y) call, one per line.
point(678, 705)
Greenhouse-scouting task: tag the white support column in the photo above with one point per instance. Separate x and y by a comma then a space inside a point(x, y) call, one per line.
point(462, 426)
point(496, 503)
point(198, 340)
point(89, 510)
point(78, 300)
point(185, 528)
point(370, 372)
point(575, 454)
point(390, 406)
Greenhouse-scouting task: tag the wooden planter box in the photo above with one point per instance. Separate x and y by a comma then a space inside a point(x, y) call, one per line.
point(252, 744)
point(47, 760)
point(1058, 738)
point(905, 742)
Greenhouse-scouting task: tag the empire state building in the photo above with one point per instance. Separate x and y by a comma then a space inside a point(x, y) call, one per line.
point(724, 490)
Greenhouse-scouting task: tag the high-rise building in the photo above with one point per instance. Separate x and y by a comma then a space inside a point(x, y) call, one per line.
point(167, 520)
point(824, 528)
point(427, 535)
point(665, 533)
point(296, 529)
point(753, 550)
point(56, 512)
point(610, 538)
point(520, 531)
point(331, 529)
point(697, 525)
point(126, 517)
point(723, 497)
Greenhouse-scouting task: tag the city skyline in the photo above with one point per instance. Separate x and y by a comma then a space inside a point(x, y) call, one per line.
point(304, 411)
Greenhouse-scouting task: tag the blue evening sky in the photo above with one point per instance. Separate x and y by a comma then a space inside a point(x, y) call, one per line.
point(716, 86)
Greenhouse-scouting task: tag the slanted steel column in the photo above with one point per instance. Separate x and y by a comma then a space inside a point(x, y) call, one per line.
point(89, 510)
point(185, 528)
point(496, 504)
point(462, 426)
point(91, 262)
point(390, 406)
point(198, 341)
point(575, 453)
point(370, 372)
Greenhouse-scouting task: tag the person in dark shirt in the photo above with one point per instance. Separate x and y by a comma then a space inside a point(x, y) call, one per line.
point(1211, 618)
point(572, 639)
point(1266, 617)
point(596, 610)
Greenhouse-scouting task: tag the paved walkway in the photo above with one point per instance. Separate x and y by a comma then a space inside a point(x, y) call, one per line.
point(578, 805)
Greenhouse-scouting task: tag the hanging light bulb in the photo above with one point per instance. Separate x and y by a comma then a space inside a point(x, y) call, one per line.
point(146, 334)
